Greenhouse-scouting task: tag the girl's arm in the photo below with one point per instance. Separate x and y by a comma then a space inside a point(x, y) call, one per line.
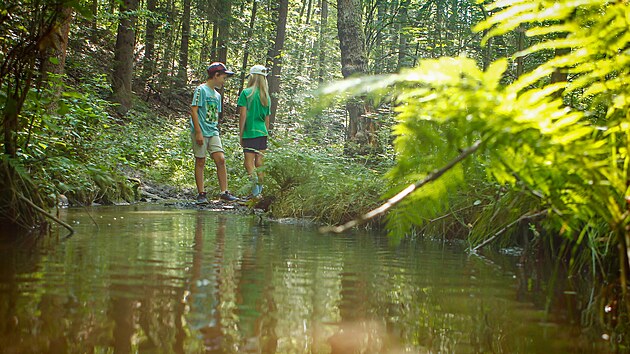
point(242, 114)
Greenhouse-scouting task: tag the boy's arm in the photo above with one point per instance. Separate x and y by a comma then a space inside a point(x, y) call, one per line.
point(195, 120)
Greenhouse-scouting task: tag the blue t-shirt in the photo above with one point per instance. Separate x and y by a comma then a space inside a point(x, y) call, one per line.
point(209, 102)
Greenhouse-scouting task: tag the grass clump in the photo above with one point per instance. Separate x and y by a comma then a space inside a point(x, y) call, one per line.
point(320, 185)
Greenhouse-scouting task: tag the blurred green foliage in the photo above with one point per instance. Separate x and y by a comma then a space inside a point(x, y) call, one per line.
point(559, 146)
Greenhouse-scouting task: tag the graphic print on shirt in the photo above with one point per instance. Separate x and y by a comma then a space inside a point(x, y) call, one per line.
point(208, 102)
point(212, 109)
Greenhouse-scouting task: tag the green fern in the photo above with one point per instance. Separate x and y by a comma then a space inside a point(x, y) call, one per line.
point(563, 143)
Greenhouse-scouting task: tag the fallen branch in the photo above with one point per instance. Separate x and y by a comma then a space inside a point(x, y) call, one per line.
point(393, 201)
point(49, 215)
point(507, 227)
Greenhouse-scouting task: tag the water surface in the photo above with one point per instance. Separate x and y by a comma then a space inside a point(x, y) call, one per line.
point(154, 279)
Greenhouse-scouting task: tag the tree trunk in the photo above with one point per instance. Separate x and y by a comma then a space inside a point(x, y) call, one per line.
point(560, 75)
point(402, 39)
point(323, 41)
point(122, 76)
point(148, 66)
point(351, 38)
point(182, 72)
point(520, 45)
point(305, 42)
point(214, 49)
point(274, 57)
point(54, 57)
point(223, 35)
point(361, 130)
point(250, 31)
point(93, 21)
point(439, 28)
point(168, 45)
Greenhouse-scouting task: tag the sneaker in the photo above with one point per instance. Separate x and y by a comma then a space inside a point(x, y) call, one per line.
point(257, 190)
point(227, 196)
point(201, 198)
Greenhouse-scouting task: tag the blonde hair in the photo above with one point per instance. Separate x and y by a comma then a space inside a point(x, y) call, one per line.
point(259, 82)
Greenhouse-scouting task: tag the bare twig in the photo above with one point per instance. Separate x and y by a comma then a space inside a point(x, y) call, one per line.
point(453, 212)
point(49, 215)
point(507, 227)
point(391, 202)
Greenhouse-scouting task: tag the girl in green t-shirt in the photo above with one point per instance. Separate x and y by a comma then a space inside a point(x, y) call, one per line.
point(254, 108)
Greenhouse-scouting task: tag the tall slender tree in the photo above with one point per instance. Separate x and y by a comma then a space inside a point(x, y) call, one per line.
point(123, 55)
point(403, 54)
point(274, 56)
point(323, 24)
point(182, 72)
point(250, 31)
point(148, 65)
point(93, 20)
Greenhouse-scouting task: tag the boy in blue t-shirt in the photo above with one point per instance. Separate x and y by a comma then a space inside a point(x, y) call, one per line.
point(204, 121)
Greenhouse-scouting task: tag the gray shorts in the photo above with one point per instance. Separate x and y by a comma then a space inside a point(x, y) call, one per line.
point(210, 143)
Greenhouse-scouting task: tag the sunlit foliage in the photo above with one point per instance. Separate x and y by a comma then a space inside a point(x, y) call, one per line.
point(565, 143)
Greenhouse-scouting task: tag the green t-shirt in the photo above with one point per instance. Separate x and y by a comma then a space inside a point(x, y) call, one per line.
point(209, 102)
point(255, 121)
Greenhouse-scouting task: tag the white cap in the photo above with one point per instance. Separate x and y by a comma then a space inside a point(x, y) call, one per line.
point(258, 69)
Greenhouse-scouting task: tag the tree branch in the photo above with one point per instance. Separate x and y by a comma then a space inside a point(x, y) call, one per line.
point(49, 215)
point(507, 227)
point(393, 201)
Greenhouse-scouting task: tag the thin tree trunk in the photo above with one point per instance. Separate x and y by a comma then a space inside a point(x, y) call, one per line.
point(308, 13)
point(305, 42)
point(182, 73)
point(323, 40)
point(148, 66)
point(274, 57)
point(93, 21)
point(214, 48)
point(123, 56)
point(520, 45)
point(169, 47)
point(223, 36)
point(402, 40)
point(378, 35)
point(250, 31)
point(439, 28)
point(487, 51)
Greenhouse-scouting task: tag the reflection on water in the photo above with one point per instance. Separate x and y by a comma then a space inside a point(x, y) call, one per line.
point(150, 279)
